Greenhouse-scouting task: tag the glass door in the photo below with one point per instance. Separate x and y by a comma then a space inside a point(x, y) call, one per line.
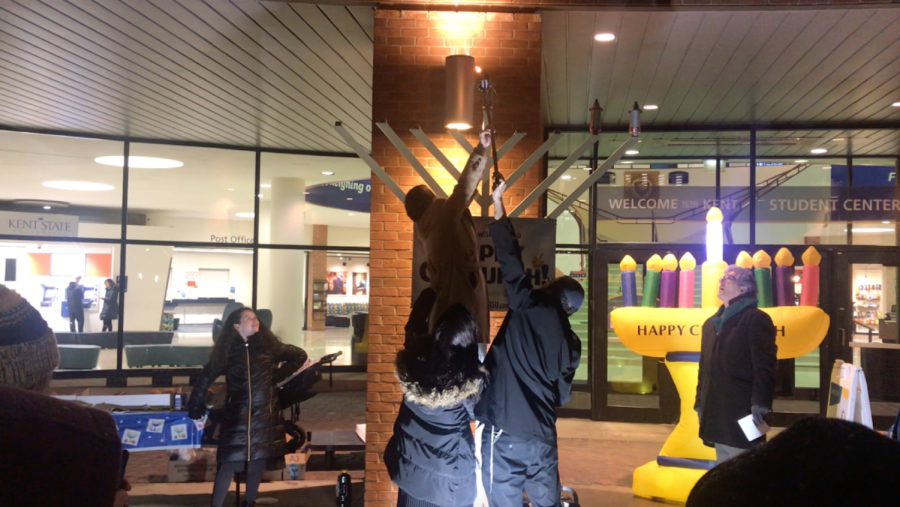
point(868, 327)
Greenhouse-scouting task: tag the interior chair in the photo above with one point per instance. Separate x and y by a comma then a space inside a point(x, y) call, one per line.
point(217, 324)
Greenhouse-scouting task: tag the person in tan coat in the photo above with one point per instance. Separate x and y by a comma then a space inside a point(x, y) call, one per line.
point(447, 232)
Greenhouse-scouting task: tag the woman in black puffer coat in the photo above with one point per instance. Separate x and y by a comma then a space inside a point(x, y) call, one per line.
point(431, 457)
point(252, 433)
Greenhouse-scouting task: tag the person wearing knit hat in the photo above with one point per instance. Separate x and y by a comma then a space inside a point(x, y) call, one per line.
point(28, 352)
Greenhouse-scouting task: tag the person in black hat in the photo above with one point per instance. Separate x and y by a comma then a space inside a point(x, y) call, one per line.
point(531, 364)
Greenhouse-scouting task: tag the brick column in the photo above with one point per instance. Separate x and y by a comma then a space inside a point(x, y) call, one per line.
point(408, 92)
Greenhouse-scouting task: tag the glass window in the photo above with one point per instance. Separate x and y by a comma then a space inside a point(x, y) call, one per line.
point(176, 297)
point(41, 272)
point(874, 179)
point(178, 193)
point(319, 300)
point(575, 264)
point(299, 192)
point(52, 186)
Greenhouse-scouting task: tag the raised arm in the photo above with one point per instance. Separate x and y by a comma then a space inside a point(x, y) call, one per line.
point(517, 282)
point(465, 188)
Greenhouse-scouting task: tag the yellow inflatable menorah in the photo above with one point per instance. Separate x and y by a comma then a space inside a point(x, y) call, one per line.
point(674, 334)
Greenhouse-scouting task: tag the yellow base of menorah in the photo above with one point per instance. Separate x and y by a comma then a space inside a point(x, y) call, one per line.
point(672, 484)
point(674, 333)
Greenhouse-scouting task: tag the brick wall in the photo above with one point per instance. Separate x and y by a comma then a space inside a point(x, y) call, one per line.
point(410, 47)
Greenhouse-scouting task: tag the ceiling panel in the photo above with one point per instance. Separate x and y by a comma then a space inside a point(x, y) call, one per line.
point(268, 74)
point(719, 68)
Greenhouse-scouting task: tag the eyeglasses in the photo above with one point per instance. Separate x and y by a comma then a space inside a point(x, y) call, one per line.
point(728, 278)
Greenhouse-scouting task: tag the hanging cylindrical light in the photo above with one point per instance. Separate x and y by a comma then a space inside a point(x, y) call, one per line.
point(635, 124)
point(459, 90)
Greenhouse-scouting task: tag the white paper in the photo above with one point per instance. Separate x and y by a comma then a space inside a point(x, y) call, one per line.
point(752, 431)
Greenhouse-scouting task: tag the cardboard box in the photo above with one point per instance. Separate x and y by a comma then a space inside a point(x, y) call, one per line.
point(294, 470)
point(201, 468)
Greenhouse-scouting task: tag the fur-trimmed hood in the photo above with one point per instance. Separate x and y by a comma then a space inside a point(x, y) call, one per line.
point(413, 392)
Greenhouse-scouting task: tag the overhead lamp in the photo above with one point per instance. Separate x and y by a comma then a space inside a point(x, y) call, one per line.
point(871, 229)
point(885, 221)
point(231, 190)
point(651, 107)
point(459, 92)
point(139, 162)
point(245, 215)
point(604, 37)
point(259, 195)
point(328, 173)
point(351, 214)
point(48, 207)
point(626, 161)
point(838, 139)
point(818, 151)
point(81, 186)
point(632, 152)
point(634, 126)
point(265, 185)
point(477, 69)
point(896, 104)
point(566, 177)
point(801, 161)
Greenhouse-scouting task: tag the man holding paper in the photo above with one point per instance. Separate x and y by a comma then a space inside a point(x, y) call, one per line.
point(737, 368)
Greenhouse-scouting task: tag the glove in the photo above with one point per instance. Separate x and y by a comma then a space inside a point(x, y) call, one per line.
point(196, 413)
point(758, 412)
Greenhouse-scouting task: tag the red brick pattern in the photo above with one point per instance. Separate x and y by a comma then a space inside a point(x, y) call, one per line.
point(410, 47)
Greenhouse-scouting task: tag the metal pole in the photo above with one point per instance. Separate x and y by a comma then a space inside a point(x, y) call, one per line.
point(850, 194)
point(123, 250)
point(753, 186)
point(544, 185)
point(256, 228)
point(718, 181)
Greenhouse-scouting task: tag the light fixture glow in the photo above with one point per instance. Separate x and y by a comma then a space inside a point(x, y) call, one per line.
point(566, 177)
point(459, 92)
point(349, 198)
point(838, 139)
point(351, 214)
point(327, 173)
point(801, 161)
point(896, 104)
point(265, 185)
point(796, 279)
point(259, 195)
point(604, 37)
point(651, 107)
point(245, 215)
point(139, 162)
point(458, 126)
point(818, 151)
point(632, 152)
point(47, 207)
point(626, 161)
point(81, 186)
point(478, 69)
point(871, 229)
point(231, 190)
point(885, 221)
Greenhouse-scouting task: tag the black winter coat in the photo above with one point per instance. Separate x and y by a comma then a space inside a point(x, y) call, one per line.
point(431, 455)
point(737, 371)
point(532, 360)
point(252, 427)
point(110, 304)
point(75, 299)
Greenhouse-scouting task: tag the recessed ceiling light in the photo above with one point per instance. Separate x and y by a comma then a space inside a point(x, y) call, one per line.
point(478, 69)
point(265, 185)
point(896, 104)
point(871, 229)
point(885, 221)
point(349, 198)
point(327, 173)
point(245, 215)
point(818, 151)
point(48, 207)
point(84, 186)
point(259, 195)
point(650, 107)
point(351, 214)
point(566, 177)
point(231, 190)
point(838, 139)
point(632, 152)
point(139, 162)
point(626, 161)
point(801, 161)
point(604, 37)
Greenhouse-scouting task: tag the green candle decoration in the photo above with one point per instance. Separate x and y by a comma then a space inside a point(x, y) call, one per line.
point(651, 281)
point(763, 275)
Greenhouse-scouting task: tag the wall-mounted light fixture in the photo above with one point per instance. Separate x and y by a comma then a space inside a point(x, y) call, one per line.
point(459, 92)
